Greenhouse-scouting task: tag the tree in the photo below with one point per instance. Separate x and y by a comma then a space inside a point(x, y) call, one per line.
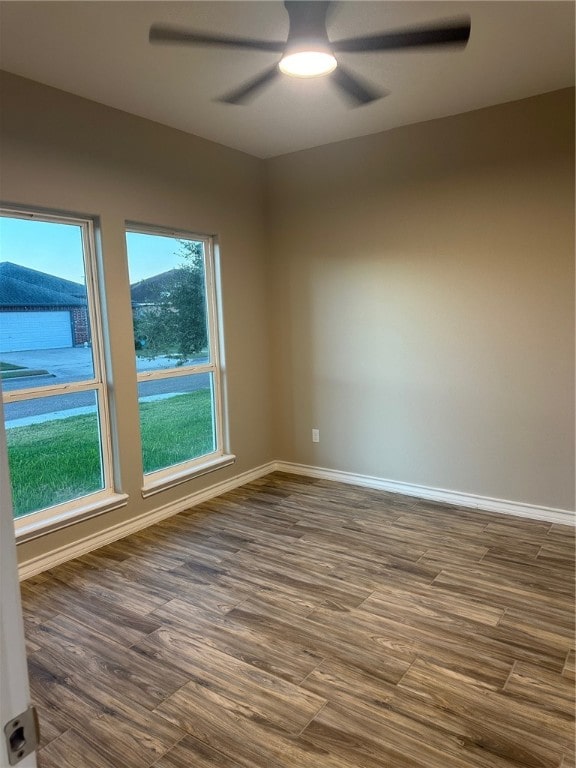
point(174, 325)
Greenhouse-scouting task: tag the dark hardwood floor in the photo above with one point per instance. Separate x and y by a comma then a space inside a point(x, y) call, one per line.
point(303, 623)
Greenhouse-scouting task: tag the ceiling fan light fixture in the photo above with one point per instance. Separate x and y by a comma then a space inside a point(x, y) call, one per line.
point(308, 52)
point(309, 63)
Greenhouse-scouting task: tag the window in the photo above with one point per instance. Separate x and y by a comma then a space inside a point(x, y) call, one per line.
point(177, 359)
point(52, 370)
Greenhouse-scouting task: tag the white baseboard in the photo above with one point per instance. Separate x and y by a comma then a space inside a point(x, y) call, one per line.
point(82, 546)
point(454, 498)
point(50, 559)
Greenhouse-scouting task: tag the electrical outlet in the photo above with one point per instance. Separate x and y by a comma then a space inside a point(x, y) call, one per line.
point(315, 435)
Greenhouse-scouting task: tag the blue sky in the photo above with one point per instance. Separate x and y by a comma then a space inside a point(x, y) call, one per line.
point(151, 254)
point(56, 248)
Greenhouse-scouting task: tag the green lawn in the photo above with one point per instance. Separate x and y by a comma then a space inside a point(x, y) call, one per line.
point(10, 371)
point(176, 429)
point(53, 462)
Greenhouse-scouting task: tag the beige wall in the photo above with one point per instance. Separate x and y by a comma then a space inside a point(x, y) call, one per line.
point(423, 288)
point(61, 152)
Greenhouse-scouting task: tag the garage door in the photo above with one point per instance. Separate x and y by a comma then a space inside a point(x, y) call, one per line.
point(34, 330)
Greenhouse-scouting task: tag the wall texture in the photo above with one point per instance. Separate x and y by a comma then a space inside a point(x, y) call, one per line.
point(423, 289)
point(62, 152)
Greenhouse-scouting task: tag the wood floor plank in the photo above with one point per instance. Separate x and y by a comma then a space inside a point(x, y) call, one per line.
point(36, 604)
point(541, 618)
point(469, 737)
point(439, 523)
point(116, 622)
point(235, 730)
point(115, 588)
point(92, 655)
point(347, 541)
point(443, 557)
point(281, 656)
point(394, 738)
point(427, 599)
point(569, 665)
point(503, 714)
point(336, 679)
point(388, 660)
point(522, 528)
point(476, 582)
point(54, 722)
point(286, 590)
point(548, 690)
point(124, 731)
point(192, 753)
point(125, 738)
point(561, 532)
point(296, 555)
point(304, 582)
point(558, 555)
point(71, 751)
point(488, 663)
point(269, 599)
point(59, 707)
point(301, 622)
point(548, 634)
point(387, 570)
point(283, 704)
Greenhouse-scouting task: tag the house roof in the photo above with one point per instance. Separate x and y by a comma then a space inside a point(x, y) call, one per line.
point(150, 290)
point(24, 287)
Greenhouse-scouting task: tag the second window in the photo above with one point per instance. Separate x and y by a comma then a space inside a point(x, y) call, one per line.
point(173, 296)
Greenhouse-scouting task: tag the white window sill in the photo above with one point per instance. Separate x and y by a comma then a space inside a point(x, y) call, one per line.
point(157, 483)
point(39, 524)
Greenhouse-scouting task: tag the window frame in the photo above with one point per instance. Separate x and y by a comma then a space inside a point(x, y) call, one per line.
point(60, 515)
point(167, 477)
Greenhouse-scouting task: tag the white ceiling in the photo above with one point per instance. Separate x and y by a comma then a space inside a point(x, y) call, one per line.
point(100, 50)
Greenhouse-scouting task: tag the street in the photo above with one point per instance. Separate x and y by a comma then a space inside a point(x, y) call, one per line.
point(75, 364)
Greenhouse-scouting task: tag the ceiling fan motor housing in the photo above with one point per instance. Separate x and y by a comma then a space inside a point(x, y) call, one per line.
point(307, 30)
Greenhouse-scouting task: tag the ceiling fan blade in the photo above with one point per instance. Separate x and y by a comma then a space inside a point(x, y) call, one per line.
point(357, 92)
point(455, 32)
point(163, 33)
point(245, 92)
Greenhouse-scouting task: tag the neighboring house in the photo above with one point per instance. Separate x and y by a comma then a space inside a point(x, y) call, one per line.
point(147, 296)
point(148, 293)
point(40, 311)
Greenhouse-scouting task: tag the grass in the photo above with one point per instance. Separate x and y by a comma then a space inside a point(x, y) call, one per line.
point(21, 374)
point(176, 429)
point(10, 371)
point(53, 462)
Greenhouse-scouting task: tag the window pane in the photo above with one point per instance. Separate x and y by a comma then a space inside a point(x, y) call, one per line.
point(44, 324)
point(168, 291)
point(53, 450)
point(177, 420)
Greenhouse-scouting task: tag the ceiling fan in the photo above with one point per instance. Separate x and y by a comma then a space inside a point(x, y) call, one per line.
point(308, 51)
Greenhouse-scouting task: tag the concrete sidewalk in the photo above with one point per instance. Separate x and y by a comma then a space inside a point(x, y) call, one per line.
point(38, 418)
point(71, 364)
point(75, 364)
